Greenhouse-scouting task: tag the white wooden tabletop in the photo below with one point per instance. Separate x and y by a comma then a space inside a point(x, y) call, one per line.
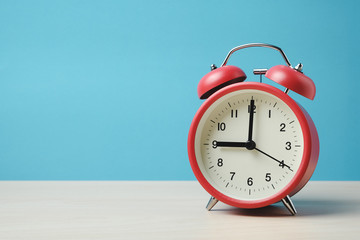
point(169, 210)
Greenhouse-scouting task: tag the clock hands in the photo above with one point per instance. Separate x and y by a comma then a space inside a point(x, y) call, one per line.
point(250, 144)
point(281, 163)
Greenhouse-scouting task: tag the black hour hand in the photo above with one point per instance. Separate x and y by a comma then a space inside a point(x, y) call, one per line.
point(228, 144)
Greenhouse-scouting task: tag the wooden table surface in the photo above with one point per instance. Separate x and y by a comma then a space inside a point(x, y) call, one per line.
point(169, 210)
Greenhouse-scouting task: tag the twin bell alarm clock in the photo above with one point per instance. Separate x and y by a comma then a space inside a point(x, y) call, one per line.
point(250, 144)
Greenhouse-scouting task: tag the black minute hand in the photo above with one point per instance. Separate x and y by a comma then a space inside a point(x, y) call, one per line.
point(281, 163)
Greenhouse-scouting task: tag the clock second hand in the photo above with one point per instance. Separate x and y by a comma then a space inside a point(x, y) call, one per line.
point(282, 164)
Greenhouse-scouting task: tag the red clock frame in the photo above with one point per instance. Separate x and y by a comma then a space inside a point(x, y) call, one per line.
point(308, 162)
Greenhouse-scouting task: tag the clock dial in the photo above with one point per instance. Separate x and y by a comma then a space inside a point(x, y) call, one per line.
point(249, 144)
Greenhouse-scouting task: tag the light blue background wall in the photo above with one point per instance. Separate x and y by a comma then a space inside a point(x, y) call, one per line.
point(106, 90)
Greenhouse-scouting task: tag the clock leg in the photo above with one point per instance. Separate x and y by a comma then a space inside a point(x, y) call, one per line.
point(289, 205)
point(212, 202)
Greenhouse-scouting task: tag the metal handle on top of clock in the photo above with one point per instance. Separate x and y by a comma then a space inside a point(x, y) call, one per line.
point(256, 45)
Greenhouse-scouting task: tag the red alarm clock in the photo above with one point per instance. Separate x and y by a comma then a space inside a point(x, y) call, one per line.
point(250, 144)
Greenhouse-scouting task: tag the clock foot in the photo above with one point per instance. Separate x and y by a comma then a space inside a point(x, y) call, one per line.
point(289, 205)
point(212, 202)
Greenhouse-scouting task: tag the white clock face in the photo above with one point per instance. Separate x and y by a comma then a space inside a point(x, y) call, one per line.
point(249, 164)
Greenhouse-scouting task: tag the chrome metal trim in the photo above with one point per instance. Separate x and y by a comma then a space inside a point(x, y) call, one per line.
point(256, 45)
point(299, 67)
point(212, 202)
point(260, 71)
point(289, 205)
